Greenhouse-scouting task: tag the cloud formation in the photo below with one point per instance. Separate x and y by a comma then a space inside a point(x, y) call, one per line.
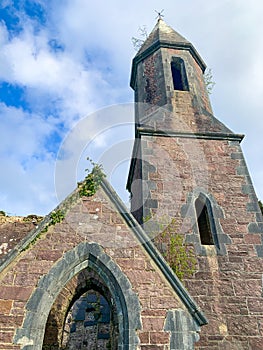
point(61, 61)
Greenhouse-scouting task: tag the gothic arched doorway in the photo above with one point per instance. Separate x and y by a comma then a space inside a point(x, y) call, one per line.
point(88, 324)
point(86, 270)
point(83, 317)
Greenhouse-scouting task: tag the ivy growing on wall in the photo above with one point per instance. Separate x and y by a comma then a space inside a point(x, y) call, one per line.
point(179, 256)
point(92, 181)
point(87, 188)
point(209, 82)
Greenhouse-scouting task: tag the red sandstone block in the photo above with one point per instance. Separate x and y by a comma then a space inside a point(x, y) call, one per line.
point(8, 279)
point(145, 303)
point(5, 306)
point(252, 238)
point(163, 302)
point(143, 277)
point(238, 250)
point(225, 287)
point(39, 266)
point(116, 219)
point(91, 207)
point(246, 287)
point(260, 325)
point(240, 325)
point(159, 338)
point(255, 343)
point(234, 309)
point(64, 246)
point(15, 293)
point(153, 323)
point(152, 347)
point(144, 337)
point(157, 312)
point(49, 255)
point(137, 264)
point(148, 266)
point(255, 306)
point(23, 265)
point(10, 321)
point(254, 265)
point(231, 267)
point(215, 337)
point(6, 337)
point(26, 279)
point(121, 253)
point(204, 276)
point(197, 287)
point(236, 259)
point(18, 308)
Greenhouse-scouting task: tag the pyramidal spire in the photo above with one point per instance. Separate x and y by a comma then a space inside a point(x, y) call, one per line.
point(163, 36)
point(162, 33)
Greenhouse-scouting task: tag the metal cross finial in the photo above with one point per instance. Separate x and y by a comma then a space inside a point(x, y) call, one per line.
point(160, 15)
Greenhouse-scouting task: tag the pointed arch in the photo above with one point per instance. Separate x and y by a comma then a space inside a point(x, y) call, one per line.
point(205, 214)
point(205, 221)
point(179, 76)
point(85, 255)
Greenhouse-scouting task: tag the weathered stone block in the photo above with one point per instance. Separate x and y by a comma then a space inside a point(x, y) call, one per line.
point(15, 293)
point(5, 306)
point(151, 324)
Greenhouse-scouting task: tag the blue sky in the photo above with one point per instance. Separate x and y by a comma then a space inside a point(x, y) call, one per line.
point(66, 61)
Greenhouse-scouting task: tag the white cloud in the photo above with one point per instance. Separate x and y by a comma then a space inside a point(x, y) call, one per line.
point(27, 179)
point(27, 191)
point(92, 70)
point(21, 133)
point(28, 60)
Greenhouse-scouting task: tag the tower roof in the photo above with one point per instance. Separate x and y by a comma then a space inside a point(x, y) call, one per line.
point(163, 35)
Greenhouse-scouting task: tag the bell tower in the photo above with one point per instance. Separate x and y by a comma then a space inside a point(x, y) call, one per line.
point(170, 100)
point(188, 166)
point(166, 63)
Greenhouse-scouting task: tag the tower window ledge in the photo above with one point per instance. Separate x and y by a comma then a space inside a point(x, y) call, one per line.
point(210, 249)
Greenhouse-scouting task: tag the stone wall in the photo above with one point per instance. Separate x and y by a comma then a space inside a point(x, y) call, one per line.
point(13, 229)
point(31, 284)
point(228, 280)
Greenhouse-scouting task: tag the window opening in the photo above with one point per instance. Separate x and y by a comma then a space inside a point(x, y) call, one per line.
point(204, 222)
point(179, 74)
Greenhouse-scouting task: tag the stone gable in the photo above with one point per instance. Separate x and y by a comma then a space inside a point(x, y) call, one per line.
point(92, 243)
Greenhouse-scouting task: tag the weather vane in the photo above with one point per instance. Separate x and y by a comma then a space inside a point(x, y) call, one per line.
point(160, 15)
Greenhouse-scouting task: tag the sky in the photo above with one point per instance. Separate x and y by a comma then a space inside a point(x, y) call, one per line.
point(64, 87)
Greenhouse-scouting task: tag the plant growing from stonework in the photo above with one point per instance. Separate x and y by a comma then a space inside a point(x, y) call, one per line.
point(137, 42)
point(92, 181)
point(209, 83)
point(179, 256)
point(56, 217)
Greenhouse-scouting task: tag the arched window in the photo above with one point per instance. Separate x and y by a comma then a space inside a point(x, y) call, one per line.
point(179, 74)
point(205, 220)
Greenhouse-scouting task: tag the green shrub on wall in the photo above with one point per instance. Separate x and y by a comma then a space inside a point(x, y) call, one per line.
point(179, 256)
point(92, 181)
